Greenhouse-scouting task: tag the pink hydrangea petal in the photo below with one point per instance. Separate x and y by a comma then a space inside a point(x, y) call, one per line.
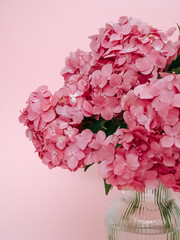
point(61, 144)
point(157, 44)
point(49, 115)
point(39, 124)
point(119, 169)
point(150, 175)
point(110, 55)
point(143, 92)
point(143, 64)
point(46, 158)
point(97, 110)
point(128, 49)
point(168, 180)
point(104, 170)
point(96, 156)
point(32, 116)
point(107, 114)
point(136, 110)
point(80, 155)
point(121, 60)
point(117, 109)
point(56, 161)
point(132, 161)
point(107, 70)
point(167, 141)
point(177, 142)
point(87, 134)
point(45, 105)
point(88, 106)
point(145, 48)
point(82, 143)
point(100, 136)
point(42, 88)
point(170, 31)
point(160, 62)
point(172, 117)
point(115, 80)
point(176, 100)
point(84, 138)
point(169, 131)
point(152, 184)
point(77, 118)
point(149, 70)
point(72, 163)
point(128, 137)
point(115, 37)
point(63, 111)
point(36, 107)
point(23, 117)
point(170, 161)
point(177, 82)
point(143, 119)
point(117, 28)
point(126, 29)
point(166, 96)
point(107, 153)
point(176, 129)
point(88, 159)
point(157, 59)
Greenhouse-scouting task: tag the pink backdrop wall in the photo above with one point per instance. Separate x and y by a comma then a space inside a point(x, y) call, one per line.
point(37, 203)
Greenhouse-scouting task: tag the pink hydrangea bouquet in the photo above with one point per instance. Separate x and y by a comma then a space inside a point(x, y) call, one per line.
point(119, 108)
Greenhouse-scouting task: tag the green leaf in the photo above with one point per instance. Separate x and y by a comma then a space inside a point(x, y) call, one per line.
point(117, 145)
point(107, 187)
point(112, 125)
point(174, 65)
point(86, 167)
point(178, 26)
point(107, 126)
point(93, 124)
point(176, 70)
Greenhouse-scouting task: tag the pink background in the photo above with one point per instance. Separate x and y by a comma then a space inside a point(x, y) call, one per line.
point(37, 203)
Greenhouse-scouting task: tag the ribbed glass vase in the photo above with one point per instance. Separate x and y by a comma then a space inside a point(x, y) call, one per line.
point(151, 215)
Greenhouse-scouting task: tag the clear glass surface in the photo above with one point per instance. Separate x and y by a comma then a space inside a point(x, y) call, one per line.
point(151, 215)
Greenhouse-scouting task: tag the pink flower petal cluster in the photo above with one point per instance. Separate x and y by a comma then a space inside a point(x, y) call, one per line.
point(39, 110)
point(55, 137)
point(155, 107)
point(132, 165)
point(132, 44)
point(122, 79)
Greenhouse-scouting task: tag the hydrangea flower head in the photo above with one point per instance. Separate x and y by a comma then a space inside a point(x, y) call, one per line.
point(119, 108)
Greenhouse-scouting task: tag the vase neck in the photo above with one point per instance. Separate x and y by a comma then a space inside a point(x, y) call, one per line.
point(160, 194)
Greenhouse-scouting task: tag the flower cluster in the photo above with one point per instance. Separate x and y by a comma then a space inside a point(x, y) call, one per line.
point(119, 108)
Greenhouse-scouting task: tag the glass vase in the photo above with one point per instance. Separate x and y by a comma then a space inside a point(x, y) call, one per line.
point(151, 215)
